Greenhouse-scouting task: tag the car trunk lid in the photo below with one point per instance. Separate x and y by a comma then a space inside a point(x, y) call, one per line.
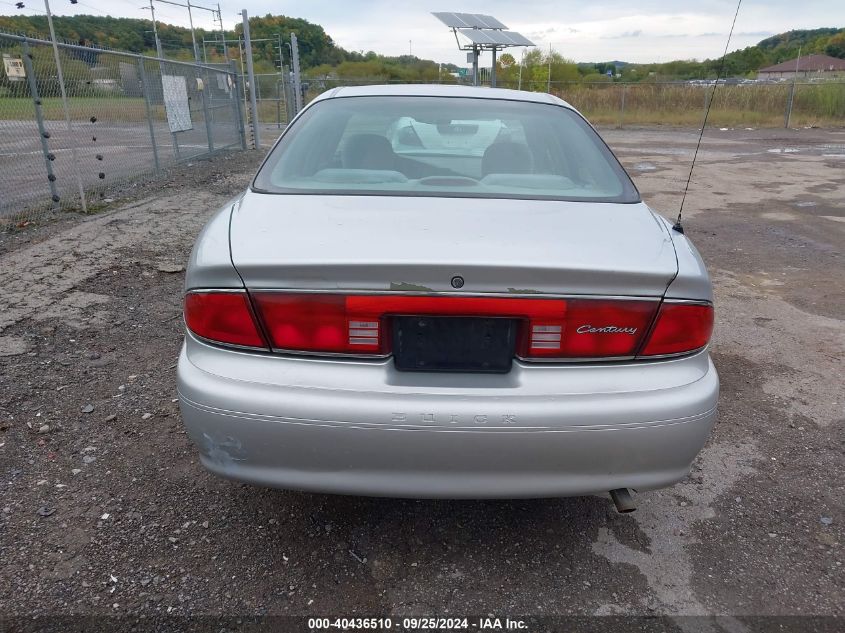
point(419, 244)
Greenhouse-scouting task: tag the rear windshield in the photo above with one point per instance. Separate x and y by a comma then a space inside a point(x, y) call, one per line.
point(444, 146)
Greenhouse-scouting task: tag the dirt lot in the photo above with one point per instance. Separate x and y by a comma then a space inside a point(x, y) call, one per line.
point(104, 508)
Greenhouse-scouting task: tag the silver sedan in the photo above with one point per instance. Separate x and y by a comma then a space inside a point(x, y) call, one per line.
point(436, 291)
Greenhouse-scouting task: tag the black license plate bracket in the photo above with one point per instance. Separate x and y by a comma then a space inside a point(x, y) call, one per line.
point(454, 344)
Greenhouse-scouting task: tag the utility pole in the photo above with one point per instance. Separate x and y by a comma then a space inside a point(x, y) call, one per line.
point(549, 82)
point(193, 35)
point(64, 104)
point(222, 34)
point(191, 21)
point(253, 104)
point(155, 30)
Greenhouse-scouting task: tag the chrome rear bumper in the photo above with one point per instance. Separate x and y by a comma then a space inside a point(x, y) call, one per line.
point(361, 427)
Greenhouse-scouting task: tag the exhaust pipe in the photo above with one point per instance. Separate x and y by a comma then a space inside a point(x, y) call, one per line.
point(622, 500)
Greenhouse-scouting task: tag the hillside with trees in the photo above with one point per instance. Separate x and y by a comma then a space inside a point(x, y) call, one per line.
point(747, 61)
point(322, 58)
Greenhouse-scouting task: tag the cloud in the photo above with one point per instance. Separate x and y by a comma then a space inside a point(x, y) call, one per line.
point(626, 34)
point(643, 31)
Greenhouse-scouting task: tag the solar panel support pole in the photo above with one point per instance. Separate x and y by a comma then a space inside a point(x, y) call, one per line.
point(493, 70)
point(475, 81)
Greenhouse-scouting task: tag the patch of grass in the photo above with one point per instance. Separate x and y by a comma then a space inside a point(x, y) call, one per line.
point(748, 105)
point(81, 108)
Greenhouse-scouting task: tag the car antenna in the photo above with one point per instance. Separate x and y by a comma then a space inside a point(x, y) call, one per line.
point(678, 226)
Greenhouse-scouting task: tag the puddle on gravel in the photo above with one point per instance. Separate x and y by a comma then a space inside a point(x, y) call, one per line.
point(645, 167)
point(827, 150)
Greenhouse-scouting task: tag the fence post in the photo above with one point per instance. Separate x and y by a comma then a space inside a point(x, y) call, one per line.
point(279, 104)
point(236, 98)
point(297, 79)
point(61, 78)
point(253, 105)
point(208, 131)
point(622, 109)
point(39, 117)
point(144, 88)
point(789, 102)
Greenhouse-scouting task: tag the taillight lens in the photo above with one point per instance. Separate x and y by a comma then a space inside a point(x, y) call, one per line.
point(319, 323)
point(222, 317)
point(591, 328)
point(680, 327)
point(358, 324)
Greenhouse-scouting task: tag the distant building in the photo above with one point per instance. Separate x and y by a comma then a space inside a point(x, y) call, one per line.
point(808, 67)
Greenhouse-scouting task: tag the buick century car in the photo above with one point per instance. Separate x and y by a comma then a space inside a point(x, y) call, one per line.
point(440, 291)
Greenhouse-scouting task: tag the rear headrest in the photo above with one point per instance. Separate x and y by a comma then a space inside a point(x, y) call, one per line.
point(368, 151)
point(507, 157)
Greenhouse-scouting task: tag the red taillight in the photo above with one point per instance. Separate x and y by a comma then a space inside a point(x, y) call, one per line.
point(591, 328)
point(319, 323)
point(680, 327)
point(355, 324)
point(223, 317)
point(359, 324)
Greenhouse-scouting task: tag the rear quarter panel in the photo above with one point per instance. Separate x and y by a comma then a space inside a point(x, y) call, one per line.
point(210, 263)
point(692, 280)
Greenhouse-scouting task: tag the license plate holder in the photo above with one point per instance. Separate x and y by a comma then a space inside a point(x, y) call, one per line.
point(454, 344)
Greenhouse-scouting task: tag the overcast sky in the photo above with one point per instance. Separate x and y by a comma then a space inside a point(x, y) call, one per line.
point(586, 30)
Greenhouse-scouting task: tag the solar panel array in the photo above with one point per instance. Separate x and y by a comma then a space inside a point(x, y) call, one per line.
point(483, 31)
point(468, 20)
point(496, 38)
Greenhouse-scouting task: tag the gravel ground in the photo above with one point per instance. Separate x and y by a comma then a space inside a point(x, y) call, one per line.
point(105, 510)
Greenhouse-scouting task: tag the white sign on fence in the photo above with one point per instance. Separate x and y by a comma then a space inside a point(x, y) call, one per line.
point(223, 82)
point(176, 103)
point(15, 70)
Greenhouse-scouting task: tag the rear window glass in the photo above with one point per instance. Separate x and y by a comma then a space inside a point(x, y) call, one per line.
point(444, 146)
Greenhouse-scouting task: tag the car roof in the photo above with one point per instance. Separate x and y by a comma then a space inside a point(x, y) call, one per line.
point(442, 90)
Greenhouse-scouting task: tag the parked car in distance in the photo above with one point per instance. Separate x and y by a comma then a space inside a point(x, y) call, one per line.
point(489, 310)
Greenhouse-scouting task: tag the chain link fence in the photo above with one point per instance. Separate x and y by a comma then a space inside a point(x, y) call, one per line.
point(67, 138)
point(274, 97)
point(753, 104)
